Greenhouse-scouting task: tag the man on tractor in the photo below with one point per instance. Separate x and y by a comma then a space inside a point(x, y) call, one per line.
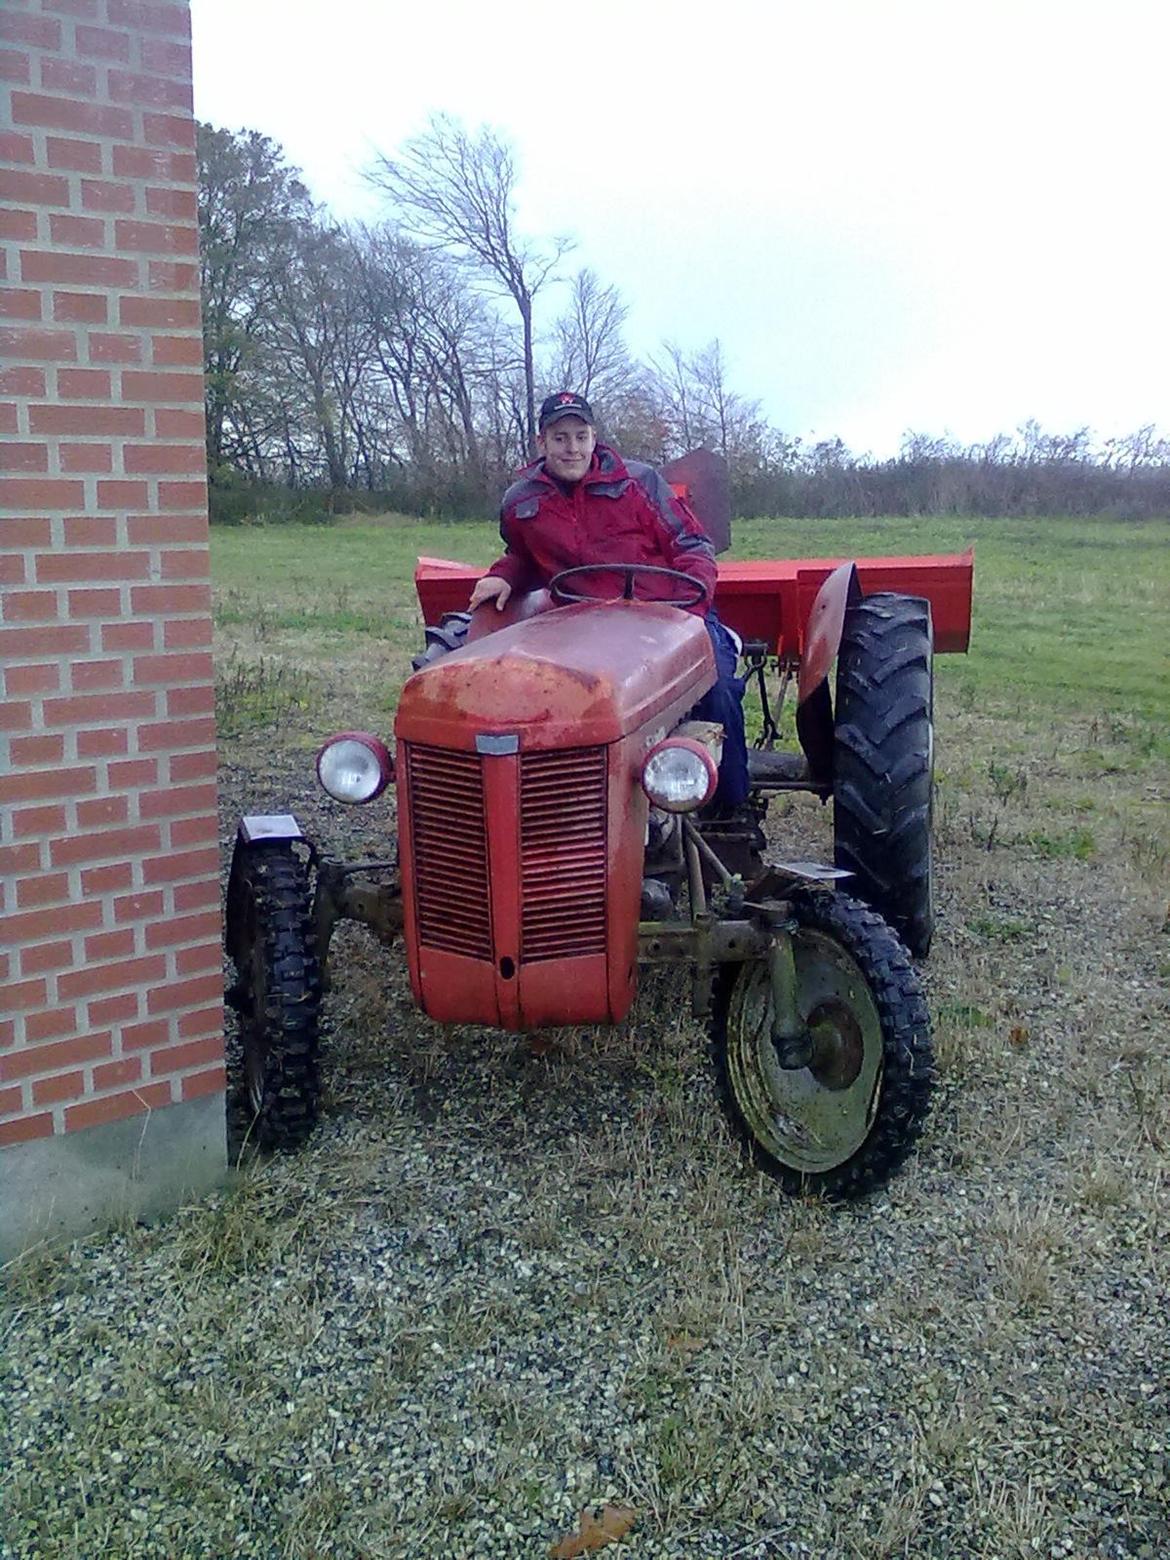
point(581, 504)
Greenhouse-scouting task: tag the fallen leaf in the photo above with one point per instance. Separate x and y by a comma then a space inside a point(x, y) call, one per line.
point(599, 1525)
point(685, 1343)
point(1019, 1035)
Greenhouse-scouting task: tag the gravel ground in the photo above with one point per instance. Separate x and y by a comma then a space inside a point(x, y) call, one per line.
point(507, 1281)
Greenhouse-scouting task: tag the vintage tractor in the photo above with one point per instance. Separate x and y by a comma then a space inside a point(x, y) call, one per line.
point(554, 834)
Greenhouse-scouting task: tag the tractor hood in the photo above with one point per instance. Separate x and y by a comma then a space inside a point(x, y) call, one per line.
point(578, 676)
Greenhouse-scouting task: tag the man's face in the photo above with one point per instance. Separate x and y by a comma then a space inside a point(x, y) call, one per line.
point(567, 446)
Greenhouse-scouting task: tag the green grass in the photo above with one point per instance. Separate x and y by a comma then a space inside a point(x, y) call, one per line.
point(1068, 615)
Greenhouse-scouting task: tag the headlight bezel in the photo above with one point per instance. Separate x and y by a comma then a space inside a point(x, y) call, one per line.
point(707, 768)
point(379, 765)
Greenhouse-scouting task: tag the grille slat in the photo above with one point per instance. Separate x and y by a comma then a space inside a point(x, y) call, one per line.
point(563, 854)
point(450, 851)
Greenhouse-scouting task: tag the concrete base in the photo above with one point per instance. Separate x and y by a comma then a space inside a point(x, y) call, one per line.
point(59, 1187)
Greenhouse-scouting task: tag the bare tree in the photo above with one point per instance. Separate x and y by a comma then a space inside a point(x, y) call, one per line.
point(591, 356)
point(456, 191)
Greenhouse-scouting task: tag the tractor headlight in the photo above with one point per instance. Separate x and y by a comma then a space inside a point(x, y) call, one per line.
point(354, 767)
point(679, 775)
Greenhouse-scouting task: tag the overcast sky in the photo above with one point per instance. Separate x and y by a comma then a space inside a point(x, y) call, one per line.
point(895, 214)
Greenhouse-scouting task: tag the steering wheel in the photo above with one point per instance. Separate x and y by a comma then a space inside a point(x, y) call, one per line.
point(630, 572)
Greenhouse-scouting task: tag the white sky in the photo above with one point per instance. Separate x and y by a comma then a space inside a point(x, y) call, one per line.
point(895, 214)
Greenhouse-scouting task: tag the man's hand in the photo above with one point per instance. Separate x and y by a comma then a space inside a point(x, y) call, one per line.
point(490, 588)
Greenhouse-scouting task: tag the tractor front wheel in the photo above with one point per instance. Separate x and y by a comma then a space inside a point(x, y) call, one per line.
point(277, 996)
point(842, 1122)
point(883, 762)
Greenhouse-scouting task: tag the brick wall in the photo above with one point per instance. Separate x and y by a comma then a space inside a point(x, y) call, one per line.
point(110, 961)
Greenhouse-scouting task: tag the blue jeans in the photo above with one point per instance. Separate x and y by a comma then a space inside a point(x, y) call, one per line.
point(724, 703)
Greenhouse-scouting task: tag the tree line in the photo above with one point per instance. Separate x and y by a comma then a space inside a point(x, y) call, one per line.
point(400, 363)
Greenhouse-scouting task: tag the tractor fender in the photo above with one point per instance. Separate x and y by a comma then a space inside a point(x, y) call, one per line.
point(822, 640)
point(254, 832)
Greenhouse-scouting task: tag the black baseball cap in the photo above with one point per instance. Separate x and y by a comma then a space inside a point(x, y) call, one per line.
point(565, 404)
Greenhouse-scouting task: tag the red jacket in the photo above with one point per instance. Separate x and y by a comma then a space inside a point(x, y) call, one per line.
point(619, 512)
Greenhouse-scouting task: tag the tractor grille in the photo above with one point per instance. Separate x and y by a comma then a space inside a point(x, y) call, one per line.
point(450, 851)
point(562, 843)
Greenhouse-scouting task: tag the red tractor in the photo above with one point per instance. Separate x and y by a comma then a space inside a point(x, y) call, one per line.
point(552, 838)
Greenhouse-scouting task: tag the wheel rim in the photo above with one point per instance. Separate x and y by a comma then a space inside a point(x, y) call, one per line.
point(812, 1118)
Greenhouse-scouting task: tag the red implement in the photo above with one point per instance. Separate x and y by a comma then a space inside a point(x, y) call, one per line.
point(771, 599)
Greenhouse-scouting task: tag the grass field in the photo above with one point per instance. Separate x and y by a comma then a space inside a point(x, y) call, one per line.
point(504, 1282)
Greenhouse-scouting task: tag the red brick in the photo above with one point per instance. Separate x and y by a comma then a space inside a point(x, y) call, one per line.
point(28, 531)
point(17, 148)
point(12, 570)
point(86, 458)
point(177, 130)
point(22, 380)
point(168, 59)
point(155, 238)
point(171, 668)
point(42, 265)
point(62, 1086)
point(164, 599)
point(175, 313)
point(54, 782)
point(77, 156)
point(15, 715)
point(193, 896)
point(191, 701)
point(114, 977)
point(139, 907)
point(25, 1129)
point(156, 386)
point(52, 640)
point(19, 995)
point(183, 495)
point(84, 308)
point(202, 926)
point(181, 864)
point(35, 189)
point(42, 957)
point(11, 1100)
point(37, 345)
point(198, 1085)
point(120, 1009)
point(129, 420)
point(9, 422)
point(38, 821)
point(188, 832)
point(116, 1075)
point(46, 889)
point(179, 422)
point(194, 1053)
point(105, 602)
point(26, 457)
point(50, 1024)
point(203, 956)
point(153, 529)
point(122, 495)
point(142, 162)
point(110, 945)
point(128, 636)
point(91, 530)
point(150, 16)
point(21, 303)
point(138, 1037)
point(69, 77)
point(17, 225)
point(166, 458)
point(108, 742)
point(54, 113)
point(40, 493)
point(184, 993)
point(85, 383)
point(192, 766)
point(180, 204)
point(104, 348)
point(31, 752)
point(99, 195)
point(88, 675)
point(101, 811)
point(172, 276)
point(81, 232)
point(39, 678)
point(85, 709)
point(109, 879)
point(153, 738)
point(148, 91)
point(99, 43)
point(38, 31)
point(104, 845)
point(62, 568)
point(116, 1107)
point(19, 858)
point(51, 922)
point(15, 67)
point(85, 8)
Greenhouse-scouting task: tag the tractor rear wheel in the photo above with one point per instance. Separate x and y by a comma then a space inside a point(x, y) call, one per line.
point(883, 762)
point(277, 996)
point(841, 1124)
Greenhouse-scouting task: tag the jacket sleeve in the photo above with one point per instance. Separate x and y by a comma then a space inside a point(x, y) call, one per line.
point(686, 543)
point(516, 566)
